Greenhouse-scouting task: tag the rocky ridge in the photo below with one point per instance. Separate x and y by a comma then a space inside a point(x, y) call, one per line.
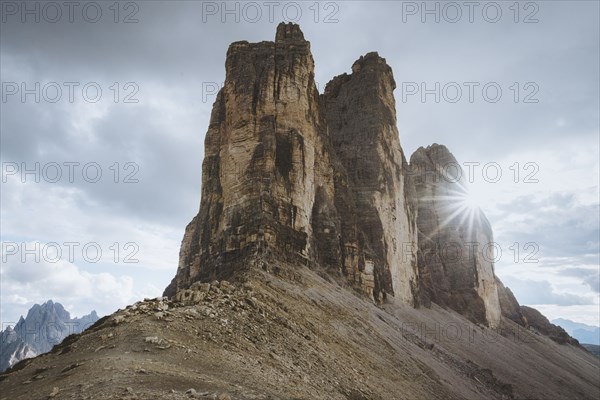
point(269, 338)
point(537, 322)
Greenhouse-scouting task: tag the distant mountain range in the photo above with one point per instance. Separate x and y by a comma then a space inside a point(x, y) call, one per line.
point(584, 333)
point(45, 326)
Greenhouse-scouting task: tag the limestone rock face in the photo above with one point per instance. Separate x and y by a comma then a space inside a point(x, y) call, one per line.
point(509, 305)
point(292, 178)
point(455, 256)
point(289, 176)
point(261, 162)
point(379, 229)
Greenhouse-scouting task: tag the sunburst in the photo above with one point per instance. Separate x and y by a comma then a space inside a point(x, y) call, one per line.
point(460, 204)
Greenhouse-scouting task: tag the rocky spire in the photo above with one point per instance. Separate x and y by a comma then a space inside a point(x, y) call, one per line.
point(360, 111)
point(261, 170)
point(284, 180)
point(455, 261)
point(293, 179)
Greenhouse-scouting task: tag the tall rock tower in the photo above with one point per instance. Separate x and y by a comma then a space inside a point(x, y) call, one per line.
point(293, 179)
point(361, 119)
point(261, 151)
point(455, 242)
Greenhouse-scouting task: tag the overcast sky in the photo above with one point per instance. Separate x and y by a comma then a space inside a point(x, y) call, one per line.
point(518, 91)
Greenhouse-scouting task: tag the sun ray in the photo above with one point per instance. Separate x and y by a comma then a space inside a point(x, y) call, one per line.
point(459, 205)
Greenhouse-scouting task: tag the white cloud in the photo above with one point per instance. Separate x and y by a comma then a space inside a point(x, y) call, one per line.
point(62, 215)
point(80, 291)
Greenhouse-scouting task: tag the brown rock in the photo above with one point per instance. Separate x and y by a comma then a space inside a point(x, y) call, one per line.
point(259, 175)
point(509, 305)
point(454, 246)
point(378, 229)
point(285, 181)
point(297, 179)
point(539, 323)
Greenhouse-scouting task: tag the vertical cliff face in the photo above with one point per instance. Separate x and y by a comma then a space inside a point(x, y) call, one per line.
point(360, 112)
point(455, 252)
point(291, 177)
point(259, 182)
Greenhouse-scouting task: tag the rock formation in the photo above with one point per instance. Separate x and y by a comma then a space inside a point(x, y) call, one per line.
point(262, 162)
point(379, 227)
point(509, 305)
point(539, 323)
point(293, 178)
point(45, 326)
point(455, 242)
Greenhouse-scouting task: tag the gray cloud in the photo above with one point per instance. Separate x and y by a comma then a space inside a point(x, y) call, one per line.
point(530, 292)
point(560, 225)
point(589, 276)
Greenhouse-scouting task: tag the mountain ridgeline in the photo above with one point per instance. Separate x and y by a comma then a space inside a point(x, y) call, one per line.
point(292, 177)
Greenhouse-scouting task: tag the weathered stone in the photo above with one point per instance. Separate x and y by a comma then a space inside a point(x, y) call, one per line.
point(294, 178)
point(508, 304)
point(152, 339)
point(360, 111)
point(191, 296)
point(201, 287)
point(455, 267)
point(539, 323)
point(258, 172)
point(197, 297)
point(285, 180)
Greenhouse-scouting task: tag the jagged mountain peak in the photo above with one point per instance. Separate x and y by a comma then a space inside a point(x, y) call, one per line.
point(435, 154)
point(369, 67)
point(45, 325)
